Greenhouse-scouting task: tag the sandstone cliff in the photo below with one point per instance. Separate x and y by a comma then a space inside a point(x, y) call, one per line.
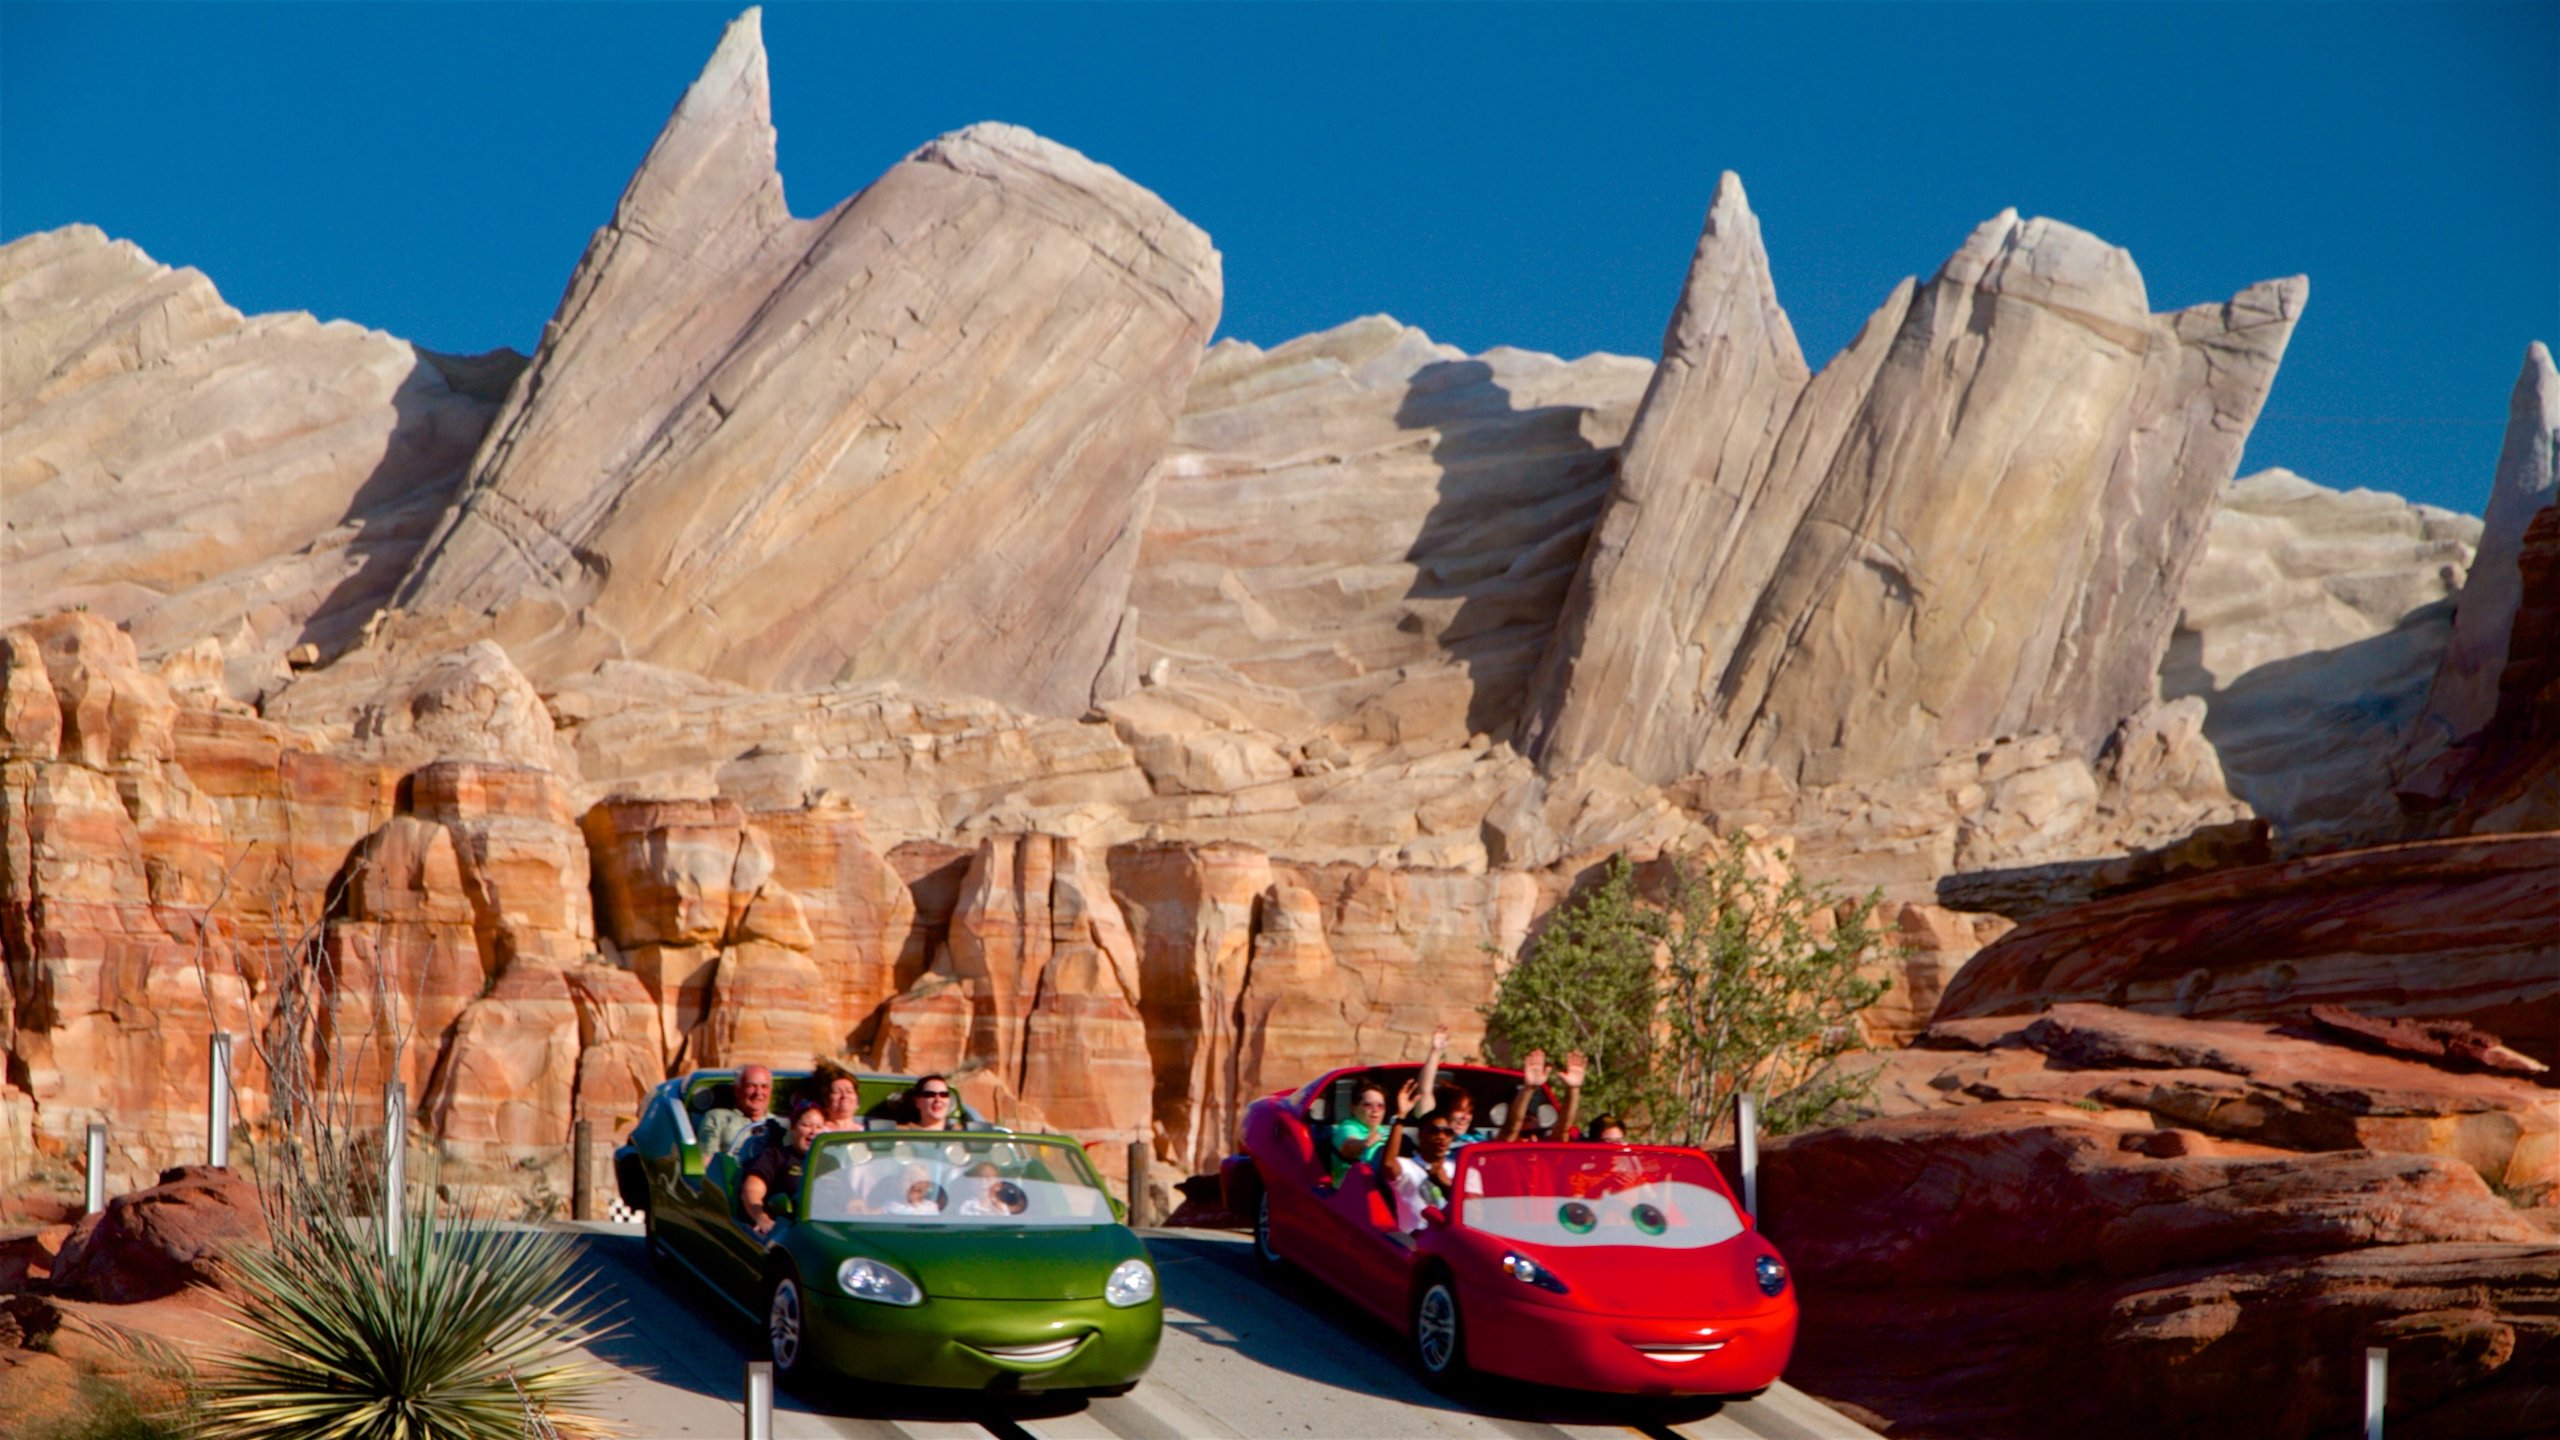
point(989, 343)
point(195, 474)
point(1972, 524)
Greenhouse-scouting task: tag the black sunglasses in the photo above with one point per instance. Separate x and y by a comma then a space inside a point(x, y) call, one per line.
point(935, 1094)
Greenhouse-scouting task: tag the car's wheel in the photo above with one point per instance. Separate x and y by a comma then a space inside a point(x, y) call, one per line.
point(1264, 1252)
point(1439, 1338)
point(786, 1327)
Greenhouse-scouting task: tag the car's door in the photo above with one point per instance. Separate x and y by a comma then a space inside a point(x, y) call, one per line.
point(1367, 1259)
point(1285, 1148)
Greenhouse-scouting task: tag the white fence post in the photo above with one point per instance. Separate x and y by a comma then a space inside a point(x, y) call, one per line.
point(395, 1164)
point(97, 1196)
point(759, 1400)
point(217, 1101)
point(2377, 1383)
point(1746, 1127)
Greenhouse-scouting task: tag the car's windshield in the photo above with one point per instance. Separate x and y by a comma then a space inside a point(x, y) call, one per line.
point(913, 1178)
point(1588, 1195)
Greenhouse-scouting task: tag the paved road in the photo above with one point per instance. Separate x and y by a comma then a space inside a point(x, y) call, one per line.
point(1241, 1360)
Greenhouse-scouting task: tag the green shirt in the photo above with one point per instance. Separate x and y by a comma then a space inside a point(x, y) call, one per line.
point(1373, 1138)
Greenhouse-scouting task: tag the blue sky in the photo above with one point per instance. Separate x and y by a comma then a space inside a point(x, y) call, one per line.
point(1530, 175)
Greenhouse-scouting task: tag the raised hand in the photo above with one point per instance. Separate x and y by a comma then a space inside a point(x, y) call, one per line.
point(1406, 1094)
point(1574, 1069)
point(1533, 1071)
point(1439, 1039)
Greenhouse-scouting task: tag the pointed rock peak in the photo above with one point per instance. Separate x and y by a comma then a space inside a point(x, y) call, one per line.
point(2049, 263)
point(2529, 461)
point(1730, 293)
point(716, 156)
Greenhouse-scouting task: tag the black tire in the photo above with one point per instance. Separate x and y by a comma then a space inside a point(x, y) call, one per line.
point(786, 1327)
point(1438, 1336)
point(1265, 1253)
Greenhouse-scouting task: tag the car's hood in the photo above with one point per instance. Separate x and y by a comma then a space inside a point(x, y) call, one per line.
point(990, 1262)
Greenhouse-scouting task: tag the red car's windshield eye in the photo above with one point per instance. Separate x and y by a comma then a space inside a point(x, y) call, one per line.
point(1578, 1217)
point(1649, 1219)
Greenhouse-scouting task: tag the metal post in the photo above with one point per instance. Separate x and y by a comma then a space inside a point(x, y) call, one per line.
point(1746, 1125)
point(759, 1400)
point(2377, 1382)
point(1141, 1183)
point(395, 1164)
point(582, 1186)
point(97, 1198)
point(217, 1102)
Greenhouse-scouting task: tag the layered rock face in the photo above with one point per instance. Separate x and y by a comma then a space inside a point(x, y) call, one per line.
point(2227, 1212)
point(2022, 414)
point(990, 343)
point(1346, 519)
point(2462, 929)
point(2312, 626)
point(195, 474)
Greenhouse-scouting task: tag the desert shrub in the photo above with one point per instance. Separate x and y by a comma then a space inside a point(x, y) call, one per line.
point(1731, 982)
point(466, 1332)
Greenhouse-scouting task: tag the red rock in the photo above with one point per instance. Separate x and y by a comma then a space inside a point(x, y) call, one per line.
point(1069, 1049)
point(2454, 1043)
point(2246, 1083)
point(29, 1256)
point(2465, 929)
point(2012, 1191)
point(154, 1242)
point(1190, 910)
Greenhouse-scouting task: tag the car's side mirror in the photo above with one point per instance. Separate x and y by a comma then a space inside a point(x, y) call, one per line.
point(1433, 1215)
point(1119, 1210)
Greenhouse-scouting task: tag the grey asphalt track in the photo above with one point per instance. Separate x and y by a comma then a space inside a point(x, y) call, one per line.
point(1242, 1360)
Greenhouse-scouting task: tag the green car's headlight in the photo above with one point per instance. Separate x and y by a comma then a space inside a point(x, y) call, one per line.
point(1132, 1283)
point(865, 1279)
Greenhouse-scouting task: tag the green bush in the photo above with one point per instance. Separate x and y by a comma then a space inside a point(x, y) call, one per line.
point(1731, 982)
point(467, 1333)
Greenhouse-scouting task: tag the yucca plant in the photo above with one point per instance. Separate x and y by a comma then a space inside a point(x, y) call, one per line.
point(467, 1331)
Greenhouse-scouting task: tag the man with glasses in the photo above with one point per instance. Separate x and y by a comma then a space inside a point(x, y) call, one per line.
point(751, 1123)
point(936, 1108)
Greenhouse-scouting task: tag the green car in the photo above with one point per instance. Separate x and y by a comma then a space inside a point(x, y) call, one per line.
point(974, 1259)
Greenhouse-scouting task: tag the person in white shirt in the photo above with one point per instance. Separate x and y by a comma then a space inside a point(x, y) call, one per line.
point(1420, 1179)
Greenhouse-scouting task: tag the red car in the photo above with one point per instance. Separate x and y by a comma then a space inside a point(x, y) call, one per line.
point(1626, 1268)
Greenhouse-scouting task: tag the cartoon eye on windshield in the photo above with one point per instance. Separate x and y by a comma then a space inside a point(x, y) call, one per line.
point(1577, 1217)
point(1649, 1219)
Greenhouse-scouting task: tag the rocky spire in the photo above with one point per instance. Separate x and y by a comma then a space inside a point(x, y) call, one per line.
point(2466, 685)
point(1687, 508)
point(908, 440)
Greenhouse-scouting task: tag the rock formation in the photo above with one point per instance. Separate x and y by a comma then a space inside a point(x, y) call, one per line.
point(2311, 626)
point(2463, 929)
point(196, 475)
point(989, 343)
point(2467, 689)
point(1808, 586)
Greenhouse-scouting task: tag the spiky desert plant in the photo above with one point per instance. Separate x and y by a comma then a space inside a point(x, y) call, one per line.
point(468, 1331)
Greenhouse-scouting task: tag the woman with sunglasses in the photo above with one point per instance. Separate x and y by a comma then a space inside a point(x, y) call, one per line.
point(936, 1107)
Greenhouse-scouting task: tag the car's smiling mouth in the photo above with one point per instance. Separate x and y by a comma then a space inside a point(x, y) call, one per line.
point(1032, 1357)
point(1679, 1354)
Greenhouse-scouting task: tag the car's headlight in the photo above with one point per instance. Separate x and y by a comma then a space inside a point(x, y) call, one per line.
point(1529, 1272)
point(1133, 1282)
point(866, 1279)
point(1772, 1273)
